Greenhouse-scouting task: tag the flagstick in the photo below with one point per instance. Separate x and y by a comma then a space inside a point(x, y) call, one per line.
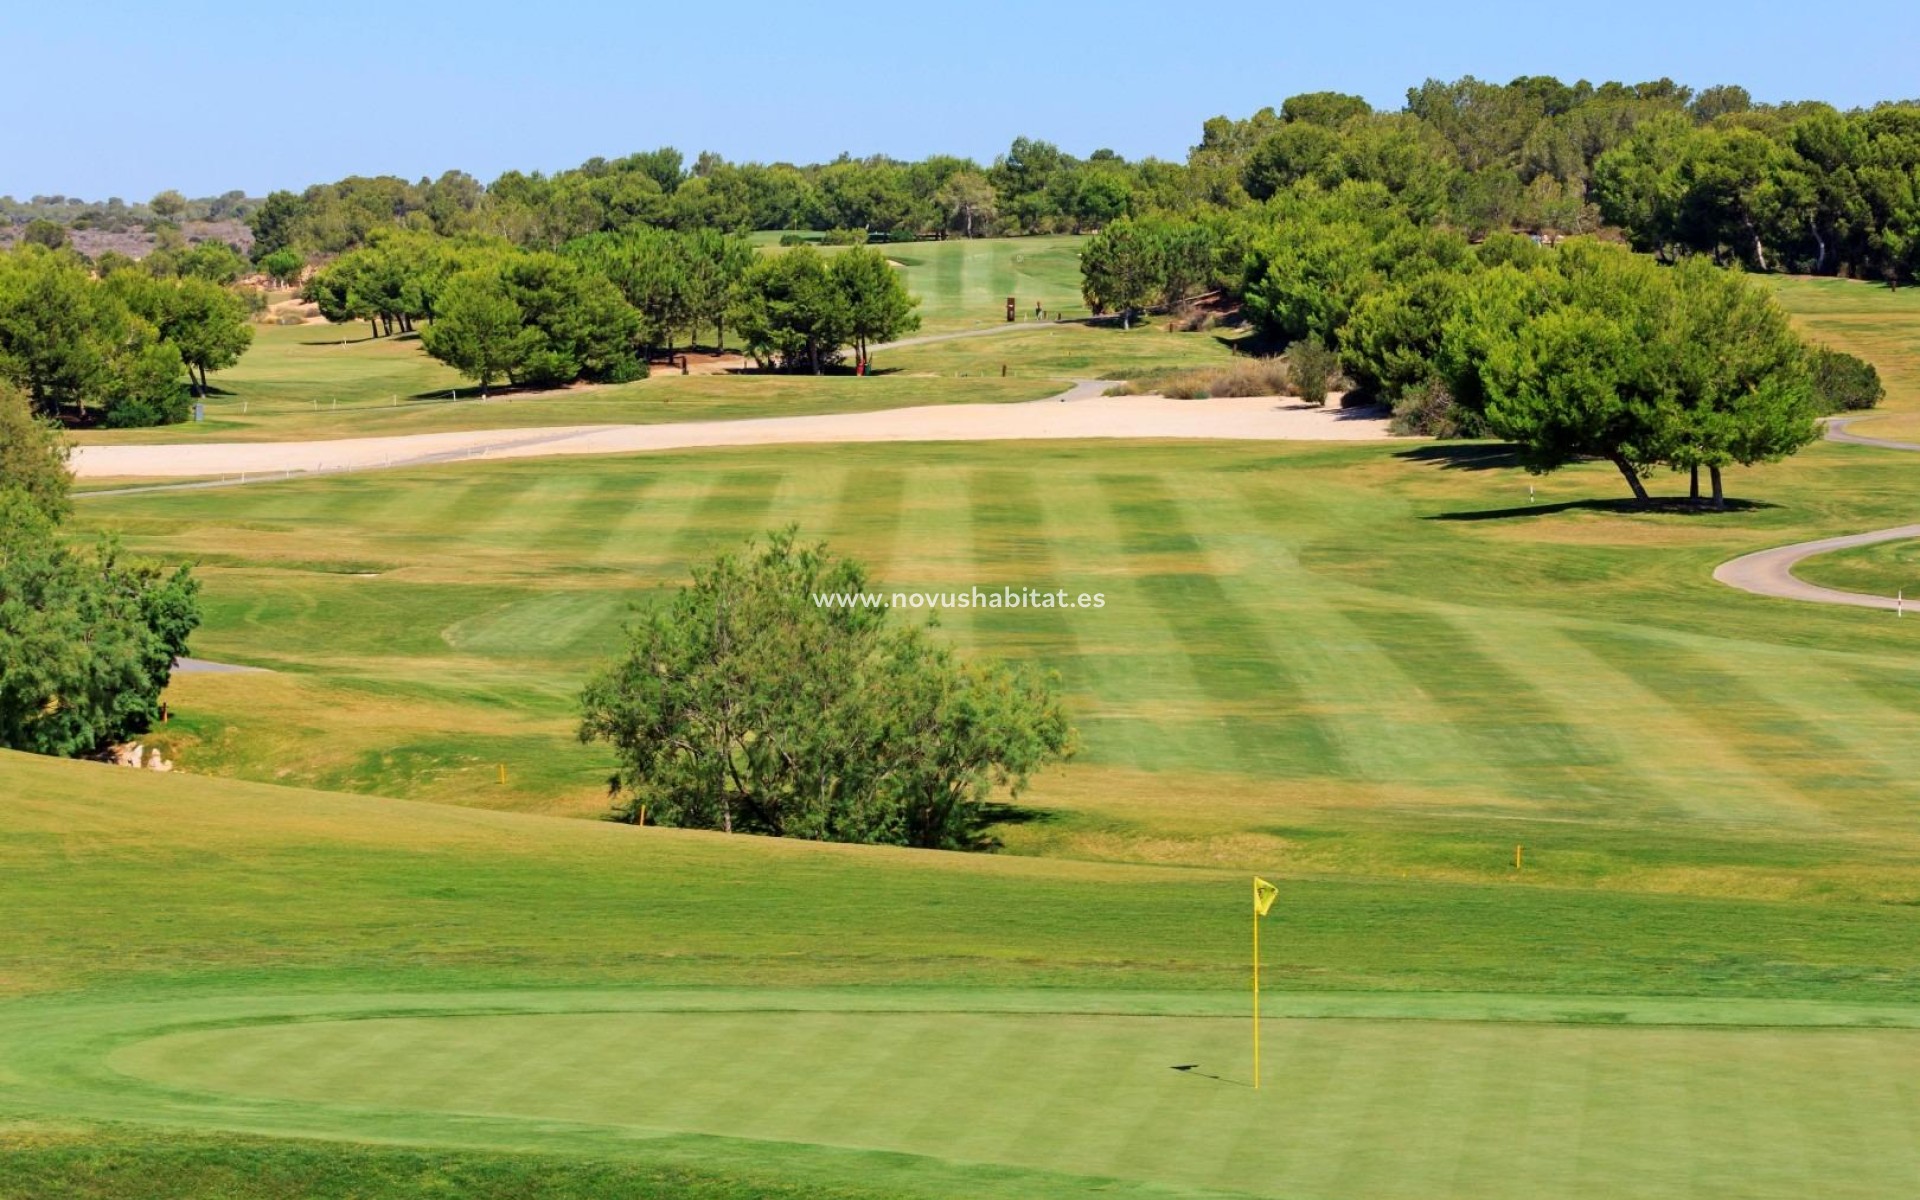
point(1256, 1000)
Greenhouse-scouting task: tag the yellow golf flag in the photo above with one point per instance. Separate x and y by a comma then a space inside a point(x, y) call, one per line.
point(1263, 894)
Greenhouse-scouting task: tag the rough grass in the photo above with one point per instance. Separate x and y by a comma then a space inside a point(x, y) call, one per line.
point(1242, 377)
point(126, 1163)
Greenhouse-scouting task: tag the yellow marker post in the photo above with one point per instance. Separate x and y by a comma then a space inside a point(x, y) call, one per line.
point(1263, 894)
point(503, 774)
point(1516, 856)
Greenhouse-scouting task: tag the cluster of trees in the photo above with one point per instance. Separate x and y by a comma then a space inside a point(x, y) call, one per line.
point(123, 343)
point(679, 283)
point(1584, 350)
point(1153, 260)
point(742, 705)
point(798, 309)
point(601, 306)
point(87, 637)
point(535, 318)
point(1799, 186)
point(1803, 189)
point(1593, 352)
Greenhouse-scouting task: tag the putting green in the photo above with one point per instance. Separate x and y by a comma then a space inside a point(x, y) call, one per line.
point(1351, 1106)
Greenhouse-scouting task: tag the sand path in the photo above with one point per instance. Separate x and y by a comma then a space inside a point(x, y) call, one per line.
point(1078, 413)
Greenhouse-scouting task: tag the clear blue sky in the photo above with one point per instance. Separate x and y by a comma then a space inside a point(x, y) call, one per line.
point(124, 99)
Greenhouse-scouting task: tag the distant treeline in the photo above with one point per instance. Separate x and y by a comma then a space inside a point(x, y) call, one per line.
point(1801, 186)
point(601, 306)
point(115, 214)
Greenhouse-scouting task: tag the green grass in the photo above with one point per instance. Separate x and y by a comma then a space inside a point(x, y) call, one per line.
point(1881, 570)
point(1304, 653)
point(964, 284)
point(1303, 670)
point(1878, 324)
point(667, 1010)
point(296, 384)
point(1367, 672)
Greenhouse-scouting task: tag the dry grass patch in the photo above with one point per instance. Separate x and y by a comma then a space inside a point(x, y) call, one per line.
point(1242, 377)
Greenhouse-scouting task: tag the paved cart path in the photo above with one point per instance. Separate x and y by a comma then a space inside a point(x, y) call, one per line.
point(1770, 572)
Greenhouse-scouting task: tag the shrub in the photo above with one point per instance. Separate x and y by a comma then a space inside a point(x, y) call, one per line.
point(143, 412)
point(46, 233)
point(1313, 369)
point(1843, 382)
point(825, 721)
point(1427, 410)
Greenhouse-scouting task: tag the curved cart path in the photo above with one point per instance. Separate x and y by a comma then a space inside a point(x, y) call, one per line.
point(1080, 412)
point(1770, 572)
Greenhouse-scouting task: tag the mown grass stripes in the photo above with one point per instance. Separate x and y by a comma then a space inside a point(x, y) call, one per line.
point(1264, 711)
point(1513, 727)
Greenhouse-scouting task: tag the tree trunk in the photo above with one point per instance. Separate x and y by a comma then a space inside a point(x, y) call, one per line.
point(1632, 476)
point(1820, 260)
point(374, 325)
point(1719, 496)
point(1693, 491)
